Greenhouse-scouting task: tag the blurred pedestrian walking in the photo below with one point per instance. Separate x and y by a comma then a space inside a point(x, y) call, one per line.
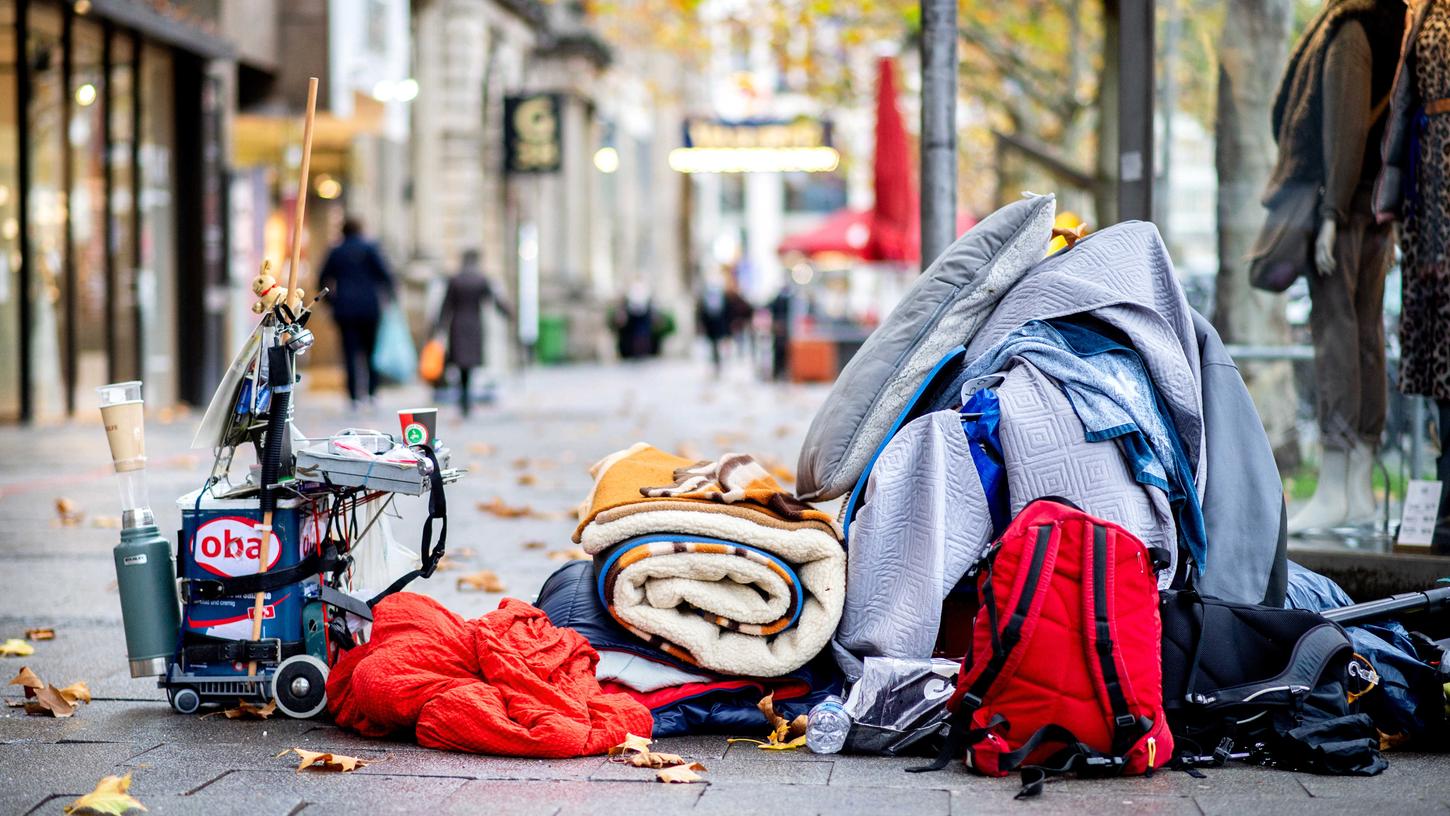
point(721, 314)
point(634, 323)
point(782, 309)
point(361, 284)
point(461, 319)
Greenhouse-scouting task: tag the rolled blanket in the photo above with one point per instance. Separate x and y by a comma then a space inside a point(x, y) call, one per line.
point(752, 586)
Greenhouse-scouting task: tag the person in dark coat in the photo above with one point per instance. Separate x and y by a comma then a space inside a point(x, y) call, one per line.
point(461, 318)
point(634, 321)
point(361, 283)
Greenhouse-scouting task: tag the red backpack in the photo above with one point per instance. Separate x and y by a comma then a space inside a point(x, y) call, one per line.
point(1064, 671)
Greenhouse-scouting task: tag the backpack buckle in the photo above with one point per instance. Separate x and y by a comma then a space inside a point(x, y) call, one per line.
point(1125, 720)
point(1098, 765)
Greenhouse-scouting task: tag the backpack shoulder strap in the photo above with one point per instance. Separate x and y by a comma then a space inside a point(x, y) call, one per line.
point(1126, 728)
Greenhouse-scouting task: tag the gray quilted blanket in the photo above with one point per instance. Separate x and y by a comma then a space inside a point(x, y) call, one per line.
point(925, 519)
point(1122, 275)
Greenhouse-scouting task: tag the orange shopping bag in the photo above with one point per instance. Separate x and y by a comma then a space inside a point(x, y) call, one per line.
point(430, 361)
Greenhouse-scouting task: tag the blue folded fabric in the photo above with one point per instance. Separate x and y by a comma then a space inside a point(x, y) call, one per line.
point(981, 420)
point(1114, 398)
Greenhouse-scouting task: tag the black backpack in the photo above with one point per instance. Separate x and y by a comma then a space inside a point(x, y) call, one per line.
point(1263, 684)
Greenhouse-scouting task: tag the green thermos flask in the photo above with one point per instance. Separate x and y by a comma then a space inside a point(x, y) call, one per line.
point(145, 573)
point(146, 578)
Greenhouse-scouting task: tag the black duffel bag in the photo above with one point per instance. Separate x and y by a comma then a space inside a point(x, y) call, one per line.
point(1263, 684)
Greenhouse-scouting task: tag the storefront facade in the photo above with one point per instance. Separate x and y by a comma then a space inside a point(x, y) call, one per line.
point(107, 252)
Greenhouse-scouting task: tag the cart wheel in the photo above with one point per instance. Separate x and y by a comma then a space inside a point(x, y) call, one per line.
point(299, 685)
point(184, 700)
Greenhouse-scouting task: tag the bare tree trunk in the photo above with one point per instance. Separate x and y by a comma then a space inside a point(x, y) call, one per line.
point(1252, 53)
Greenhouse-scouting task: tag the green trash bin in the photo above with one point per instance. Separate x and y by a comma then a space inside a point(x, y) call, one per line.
point(553, 345)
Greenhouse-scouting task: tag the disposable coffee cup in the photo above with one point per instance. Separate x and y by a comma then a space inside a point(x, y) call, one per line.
point(420, 425)
point(122, 414)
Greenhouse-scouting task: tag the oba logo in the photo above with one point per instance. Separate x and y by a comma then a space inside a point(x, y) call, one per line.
point(231, 545)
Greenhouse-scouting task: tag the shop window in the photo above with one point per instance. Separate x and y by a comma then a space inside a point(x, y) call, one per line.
point(87, 312)
point(156, 276)
point(122, 232)
point(10, 294)
point(46, 208)
point(814, 192)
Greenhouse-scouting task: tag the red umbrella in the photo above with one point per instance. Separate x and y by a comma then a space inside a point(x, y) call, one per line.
point(844, 232)
point(896, 215)
point(891, 230)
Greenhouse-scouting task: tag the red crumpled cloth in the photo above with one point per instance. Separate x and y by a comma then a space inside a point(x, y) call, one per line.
point(509, 683)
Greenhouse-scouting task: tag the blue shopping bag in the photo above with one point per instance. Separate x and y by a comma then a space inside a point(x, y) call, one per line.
point(394, 357)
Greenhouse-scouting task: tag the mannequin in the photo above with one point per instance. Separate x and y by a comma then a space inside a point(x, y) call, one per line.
point(1328, 123)
point(1415, 187)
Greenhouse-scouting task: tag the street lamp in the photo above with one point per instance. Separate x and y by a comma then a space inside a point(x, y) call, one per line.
point(606, 159)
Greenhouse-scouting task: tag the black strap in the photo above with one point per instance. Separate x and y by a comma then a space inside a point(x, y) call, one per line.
point(1160, 557)
point(437, 509)
point(1012, 633)
point(1077, 756)
point(1126, 727)
point(958, 737)
point(206, 649)
point(210, 589)
point(345, 602)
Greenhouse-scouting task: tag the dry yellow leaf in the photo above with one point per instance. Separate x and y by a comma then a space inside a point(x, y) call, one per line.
point(650, 759)
point(76, 691)
point(15, 647)
point(528, 479)
point(27, 679)
point(791, 745)
point(109, 797)
point(251, 711)
point(463, 552)
point(327, 762)
point(534, 545)
point(40, 633)
point(501, 509)
point(50, 701)
point(106, 522)
point(571, 554)
point(66, 513)
point(633, 744)
point(680, 773)
point(481, 448)
point(484, 580)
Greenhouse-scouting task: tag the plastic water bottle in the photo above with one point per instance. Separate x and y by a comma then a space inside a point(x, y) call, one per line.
point(827, 726)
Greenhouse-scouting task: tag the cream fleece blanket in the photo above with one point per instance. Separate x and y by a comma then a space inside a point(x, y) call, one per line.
point(710, 608)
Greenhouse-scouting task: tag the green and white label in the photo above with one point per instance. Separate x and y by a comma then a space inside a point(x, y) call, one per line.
point(415, 434)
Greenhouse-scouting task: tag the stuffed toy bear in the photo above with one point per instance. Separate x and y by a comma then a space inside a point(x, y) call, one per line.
point(270, 293)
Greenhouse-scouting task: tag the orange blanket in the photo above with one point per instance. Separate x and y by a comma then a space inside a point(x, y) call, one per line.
point(643, 475)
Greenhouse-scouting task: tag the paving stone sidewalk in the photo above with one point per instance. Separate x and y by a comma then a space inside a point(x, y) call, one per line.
point(533, 448)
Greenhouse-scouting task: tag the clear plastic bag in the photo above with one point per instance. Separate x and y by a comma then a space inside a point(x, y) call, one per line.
point(899, 706)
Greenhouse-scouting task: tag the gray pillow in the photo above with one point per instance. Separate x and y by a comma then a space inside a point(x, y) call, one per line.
point(941, 311)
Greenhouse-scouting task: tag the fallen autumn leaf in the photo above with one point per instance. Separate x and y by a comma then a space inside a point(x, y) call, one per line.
point(571, 554)
point(251, 711)
point(323, 761)
point(680, 773)
point(109, 797)
point(484, 580)
point(15, 647)
point(501, 509)
point(632, 744)
point(40, 633)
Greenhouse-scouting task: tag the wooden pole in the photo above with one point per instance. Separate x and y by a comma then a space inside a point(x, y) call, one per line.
point(302, 186)
point(263, 554)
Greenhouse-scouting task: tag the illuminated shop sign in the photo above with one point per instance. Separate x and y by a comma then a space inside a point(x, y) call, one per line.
point(532, 132)
point(716, 146)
